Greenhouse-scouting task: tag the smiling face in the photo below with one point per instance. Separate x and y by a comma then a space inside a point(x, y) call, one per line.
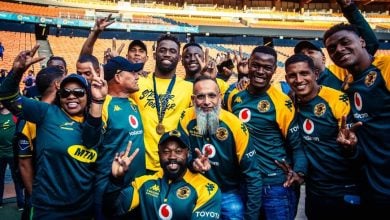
point(74, 104)
point(261, 69)
point(173, 159)
point(346, 49)
point(167, 57)
point(302, 80)
point(189, 61)
point(137, 55)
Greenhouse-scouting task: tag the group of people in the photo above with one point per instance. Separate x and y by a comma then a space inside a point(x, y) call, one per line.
point(114, 141)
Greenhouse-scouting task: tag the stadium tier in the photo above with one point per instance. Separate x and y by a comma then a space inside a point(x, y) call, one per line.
point(221, 28)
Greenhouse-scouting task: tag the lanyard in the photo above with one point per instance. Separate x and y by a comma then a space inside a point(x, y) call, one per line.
point(164, 100)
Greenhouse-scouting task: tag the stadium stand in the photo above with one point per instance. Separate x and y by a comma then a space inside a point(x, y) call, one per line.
point(14, 42)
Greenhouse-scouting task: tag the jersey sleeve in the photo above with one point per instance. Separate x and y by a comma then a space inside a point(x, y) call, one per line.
point(229, 100)
point(250, 170)
point(208, 204)
point(24, 139)
point(119, 199)
point(383, 64)
point(353, 15)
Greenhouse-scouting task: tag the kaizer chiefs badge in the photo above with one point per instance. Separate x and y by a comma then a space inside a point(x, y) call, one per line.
point(370, 78)
point(319, 109)
point(263, 106)
point(221, 134)
point(183, 192)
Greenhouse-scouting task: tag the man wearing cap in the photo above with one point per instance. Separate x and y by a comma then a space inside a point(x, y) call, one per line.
point(67, 135)
point(174, 192)
point(122, 123)
point(138, 53)
point(325, 76)
point(329, 76)
point(162, 97)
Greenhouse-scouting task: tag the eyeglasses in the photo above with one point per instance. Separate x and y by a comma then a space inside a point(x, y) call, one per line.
point(78, 92)
point(210, 95)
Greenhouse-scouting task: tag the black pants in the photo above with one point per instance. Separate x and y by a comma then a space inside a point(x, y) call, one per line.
point(331, 208)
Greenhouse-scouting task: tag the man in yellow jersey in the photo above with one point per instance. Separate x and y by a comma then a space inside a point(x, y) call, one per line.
point(162, 97)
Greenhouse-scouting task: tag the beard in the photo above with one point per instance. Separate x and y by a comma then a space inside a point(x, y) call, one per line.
point(207, 122)
point(173, 174)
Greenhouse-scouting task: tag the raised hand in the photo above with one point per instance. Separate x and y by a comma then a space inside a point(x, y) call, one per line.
point(346, 136)
point(241, 62)
point(344, 3)
point(243, 83)
point(203, 61)
point(25, 59)
point(102, 23)
point(291, 175)
point(99, 88)
point(201, 163)
point(122, 161)
point(113, 52)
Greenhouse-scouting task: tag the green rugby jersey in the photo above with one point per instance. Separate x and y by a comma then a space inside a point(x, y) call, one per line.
point(231, 155)
point(192, 197)
point(7, 130)
point(330, 173)
point(64, 171)
point(270, 118)
point(369, 93)
point(122, 123)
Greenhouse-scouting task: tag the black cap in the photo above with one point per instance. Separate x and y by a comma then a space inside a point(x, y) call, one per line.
point(75, 78)
point(138, 43)
point(119, 63)
point(174, 135)
point(307, 44)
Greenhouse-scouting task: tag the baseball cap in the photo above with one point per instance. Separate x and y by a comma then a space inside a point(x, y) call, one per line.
point(122, 64)
point(75, 78)
point(307, 44)
point(174, 135)
point(138, 43)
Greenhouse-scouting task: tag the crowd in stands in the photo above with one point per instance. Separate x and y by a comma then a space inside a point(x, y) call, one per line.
point(116, 141)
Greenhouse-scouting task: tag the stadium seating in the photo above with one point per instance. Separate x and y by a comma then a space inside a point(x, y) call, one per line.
point(14, 42)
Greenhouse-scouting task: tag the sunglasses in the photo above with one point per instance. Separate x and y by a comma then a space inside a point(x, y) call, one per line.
point(77, 92)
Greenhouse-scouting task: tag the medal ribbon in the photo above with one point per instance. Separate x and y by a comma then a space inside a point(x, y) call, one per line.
point(164, 101)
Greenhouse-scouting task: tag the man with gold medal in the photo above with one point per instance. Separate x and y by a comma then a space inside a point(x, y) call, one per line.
point(172, 93)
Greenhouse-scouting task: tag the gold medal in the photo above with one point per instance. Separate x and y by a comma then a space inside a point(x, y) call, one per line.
point(160, 129)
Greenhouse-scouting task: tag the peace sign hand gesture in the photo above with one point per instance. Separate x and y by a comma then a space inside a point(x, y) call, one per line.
point(241, 62)
point(25, 59)
point(99, 88)
point(201, 164)
point(346, 136)
point(113, 52)
point(102, 23)
point(122, 161)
